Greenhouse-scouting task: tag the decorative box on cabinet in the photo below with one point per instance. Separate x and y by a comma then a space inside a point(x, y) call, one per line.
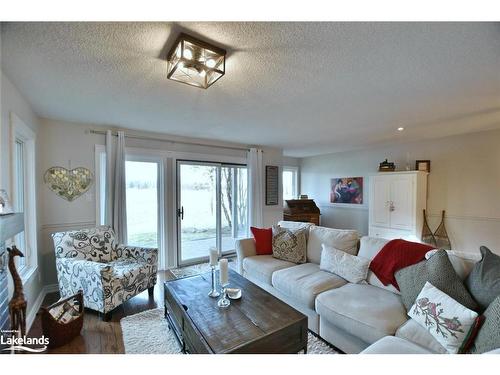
point(396, 203)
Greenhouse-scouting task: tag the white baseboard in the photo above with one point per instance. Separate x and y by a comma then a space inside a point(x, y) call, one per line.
point(51, 288)
point(30, 318)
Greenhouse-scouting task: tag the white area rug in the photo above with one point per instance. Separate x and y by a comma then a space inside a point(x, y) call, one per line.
point(147, 333)
point(197, 269)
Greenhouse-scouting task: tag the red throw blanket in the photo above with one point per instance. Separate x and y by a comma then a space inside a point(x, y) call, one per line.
point(395, 255)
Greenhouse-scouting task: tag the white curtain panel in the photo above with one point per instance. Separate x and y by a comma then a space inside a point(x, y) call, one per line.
point(120, 199)
point(255, 187)
point(110, 178)
point(116, 209)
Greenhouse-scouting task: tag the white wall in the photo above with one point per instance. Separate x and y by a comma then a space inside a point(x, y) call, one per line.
point(13, 101)
point(64, 142)
point(464, 181)
point(291, 162)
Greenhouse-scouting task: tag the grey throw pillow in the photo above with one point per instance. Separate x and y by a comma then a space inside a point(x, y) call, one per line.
point(289, 245)
point(484, 280)
point(488, 337)
point(437, 270)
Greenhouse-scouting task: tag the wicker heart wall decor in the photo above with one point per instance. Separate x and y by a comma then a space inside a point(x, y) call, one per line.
point(68, 183)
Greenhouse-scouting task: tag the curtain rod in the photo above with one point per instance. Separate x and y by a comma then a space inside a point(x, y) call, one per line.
point(114, 133)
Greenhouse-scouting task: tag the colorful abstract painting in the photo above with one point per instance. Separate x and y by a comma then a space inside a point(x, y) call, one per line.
point(346, 190)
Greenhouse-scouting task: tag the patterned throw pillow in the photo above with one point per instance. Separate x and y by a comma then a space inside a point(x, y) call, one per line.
point(289, 245)
point(350, 267)
point(484, 280)
point(437, 270)
point(449, 322)
point(488, 337)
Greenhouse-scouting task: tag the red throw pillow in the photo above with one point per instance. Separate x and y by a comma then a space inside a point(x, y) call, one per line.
point(395, 255)
point(263, 238)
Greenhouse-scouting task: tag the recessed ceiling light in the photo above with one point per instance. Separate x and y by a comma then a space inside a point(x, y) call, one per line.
point(195, 62)
point(400, 129)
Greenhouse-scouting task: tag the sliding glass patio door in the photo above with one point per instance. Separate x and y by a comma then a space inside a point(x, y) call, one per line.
point(211, 208)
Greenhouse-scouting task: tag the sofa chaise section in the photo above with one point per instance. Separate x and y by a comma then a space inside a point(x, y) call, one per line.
point(395, 345)
point(360, 314)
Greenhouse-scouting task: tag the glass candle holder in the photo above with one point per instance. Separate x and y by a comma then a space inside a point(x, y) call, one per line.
point(214, 293)
point(224, 302)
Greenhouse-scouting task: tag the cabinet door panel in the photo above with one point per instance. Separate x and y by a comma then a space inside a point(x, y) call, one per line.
point(379, 200)
point(402, 216)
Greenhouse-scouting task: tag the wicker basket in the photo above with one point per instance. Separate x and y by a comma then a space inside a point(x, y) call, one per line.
point(61, 333)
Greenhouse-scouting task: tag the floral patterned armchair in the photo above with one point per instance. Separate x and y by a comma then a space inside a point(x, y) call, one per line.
point(108, 273)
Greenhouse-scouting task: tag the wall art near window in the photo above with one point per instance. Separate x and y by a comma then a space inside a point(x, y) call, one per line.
point(346, 190)
point(68, 183)
point(272, 185)
point(5, 206)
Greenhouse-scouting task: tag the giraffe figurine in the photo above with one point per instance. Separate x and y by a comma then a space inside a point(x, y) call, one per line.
point(17, 305)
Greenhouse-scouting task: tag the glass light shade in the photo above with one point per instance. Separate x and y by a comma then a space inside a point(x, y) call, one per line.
point(195, 62)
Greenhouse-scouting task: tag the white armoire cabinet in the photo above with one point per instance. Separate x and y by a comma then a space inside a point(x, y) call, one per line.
point(396, 204)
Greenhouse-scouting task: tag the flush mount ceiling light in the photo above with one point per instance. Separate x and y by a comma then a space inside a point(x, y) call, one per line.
point(195, 62)
point(400, 129)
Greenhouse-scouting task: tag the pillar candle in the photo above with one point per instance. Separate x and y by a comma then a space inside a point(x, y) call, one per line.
point(213, 256)
point(224, 274)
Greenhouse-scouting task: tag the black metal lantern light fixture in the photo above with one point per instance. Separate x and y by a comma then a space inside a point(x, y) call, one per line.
point(195, 62)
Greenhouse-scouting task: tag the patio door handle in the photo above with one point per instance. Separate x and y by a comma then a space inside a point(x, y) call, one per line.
point(180, 212)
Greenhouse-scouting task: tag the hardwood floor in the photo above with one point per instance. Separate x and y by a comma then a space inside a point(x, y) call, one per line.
point(98, 337)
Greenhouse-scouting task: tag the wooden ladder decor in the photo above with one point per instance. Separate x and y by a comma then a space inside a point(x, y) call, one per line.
point(427, 235)
point(441, 235)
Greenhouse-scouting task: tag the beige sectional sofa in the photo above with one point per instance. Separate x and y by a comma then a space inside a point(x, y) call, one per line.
point(367, 317)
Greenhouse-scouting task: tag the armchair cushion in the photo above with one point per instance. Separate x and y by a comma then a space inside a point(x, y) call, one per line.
point(124, 279)
point(94, 244)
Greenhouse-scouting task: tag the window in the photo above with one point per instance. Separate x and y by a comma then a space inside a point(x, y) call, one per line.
point(23, 193)
point(290, 183)
point(19, 167)
point(141, 178)
point(144, 196)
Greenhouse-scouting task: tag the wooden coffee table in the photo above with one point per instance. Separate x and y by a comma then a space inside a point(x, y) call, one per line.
point(257, 323)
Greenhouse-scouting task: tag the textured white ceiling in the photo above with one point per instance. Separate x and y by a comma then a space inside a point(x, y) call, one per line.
point(309, 88)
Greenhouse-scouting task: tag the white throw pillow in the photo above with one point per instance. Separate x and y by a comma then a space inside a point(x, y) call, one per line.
point(350, 267)
point(447, 321)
